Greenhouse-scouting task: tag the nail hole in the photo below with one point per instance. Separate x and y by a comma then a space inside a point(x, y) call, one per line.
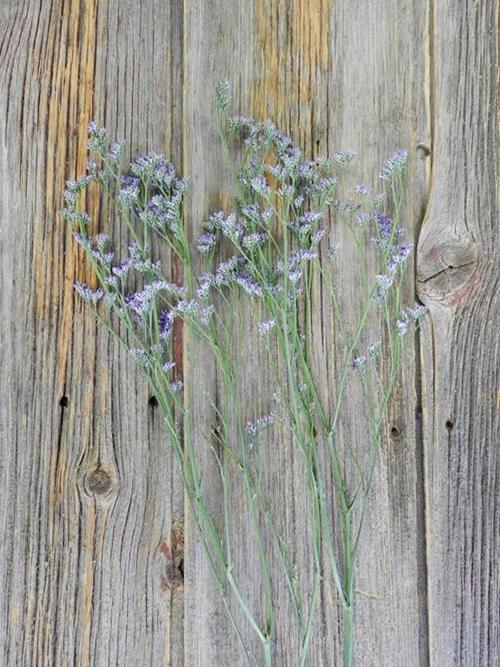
point(395, 432)
point(153, 401)
point(63, 401)
point(449, 425)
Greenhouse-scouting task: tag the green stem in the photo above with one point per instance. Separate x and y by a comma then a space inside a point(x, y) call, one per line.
point(348, 638)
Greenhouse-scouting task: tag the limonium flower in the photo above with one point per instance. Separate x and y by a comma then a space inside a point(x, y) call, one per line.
point(394, 165)
point(88, 294)
point(266, 327)
point(264, 254)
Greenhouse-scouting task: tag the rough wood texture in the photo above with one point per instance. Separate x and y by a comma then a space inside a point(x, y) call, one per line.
point(458, 281)
point(90, 501)
point(88, 489)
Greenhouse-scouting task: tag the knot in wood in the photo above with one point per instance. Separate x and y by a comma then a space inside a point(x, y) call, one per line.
point(447, 269)
point(98, 482)
point(423, 150)
point(172, 576)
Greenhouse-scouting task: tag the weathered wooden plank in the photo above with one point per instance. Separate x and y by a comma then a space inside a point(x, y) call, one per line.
point(377, 93)
point(458, 281)
point(377, 105)
point(88, 485)
point(89, 492)
point(300, 64)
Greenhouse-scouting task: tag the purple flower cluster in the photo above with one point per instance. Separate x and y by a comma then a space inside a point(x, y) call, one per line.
point(88, 294)
point(395, 253)
point(359, 363)
point(254, 428)
point(274, 232)
point(306, 224)
point(266, 327)
point(394, 165)
point(141, 303)
point(155, 169)
point(140, 357)
point(409, 316)
point(166, 324)
point(97, 138)
point(99, 248)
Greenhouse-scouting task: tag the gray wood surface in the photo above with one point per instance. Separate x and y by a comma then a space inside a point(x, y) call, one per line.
point(91, 503)
point(88, 490)
point(458, 281)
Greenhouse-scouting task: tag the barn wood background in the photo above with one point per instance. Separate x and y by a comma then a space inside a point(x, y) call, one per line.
point(90, 502)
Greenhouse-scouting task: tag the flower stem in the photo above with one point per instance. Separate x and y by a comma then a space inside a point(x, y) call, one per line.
point(348, 638)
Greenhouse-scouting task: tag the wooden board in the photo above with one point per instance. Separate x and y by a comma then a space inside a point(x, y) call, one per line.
point(88, 486)
point(458, 281)
point(89, 494)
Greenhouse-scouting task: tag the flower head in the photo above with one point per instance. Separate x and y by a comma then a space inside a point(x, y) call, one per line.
point(140, 357)
point(359, 363)
point(266, 327)
point(223, 93)
point(88, 294)
point(253, 428)
point(394, 165)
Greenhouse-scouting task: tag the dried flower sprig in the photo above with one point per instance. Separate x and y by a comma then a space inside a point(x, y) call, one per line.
point(272, 243)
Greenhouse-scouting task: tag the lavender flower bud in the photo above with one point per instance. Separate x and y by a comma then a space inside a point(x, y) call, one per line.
point(206, 281)
point(122, 269)
point(260, 186)
point(402, 325)
point(225, 271)
point(343, 158)
point(333, 251)
point(223, 94)
point(97, 139)
point(294, 276)
point(206, 313)
point(417, 313)
point(176, 387)
point(129, 195)
point(186, 308)
point(252, 241)
point(363, 219)
point(394, 165)
point(116, 152)
point(359, 363)
point(166, 323)
point(206, 243)
point(88, 294)
point(317, 236)
point(248, 284)
point(75, 218)
point(266, 327)
point(140, 357)
point(253, 428)
point(168, 366)
point(362, 190)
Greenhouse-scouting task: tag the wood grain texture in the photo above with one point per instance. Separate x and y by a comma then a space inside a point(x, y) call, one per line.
point(329, 98)
point(376, 104)
point(458, 281)
point(88, 486)
point(91, 503)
